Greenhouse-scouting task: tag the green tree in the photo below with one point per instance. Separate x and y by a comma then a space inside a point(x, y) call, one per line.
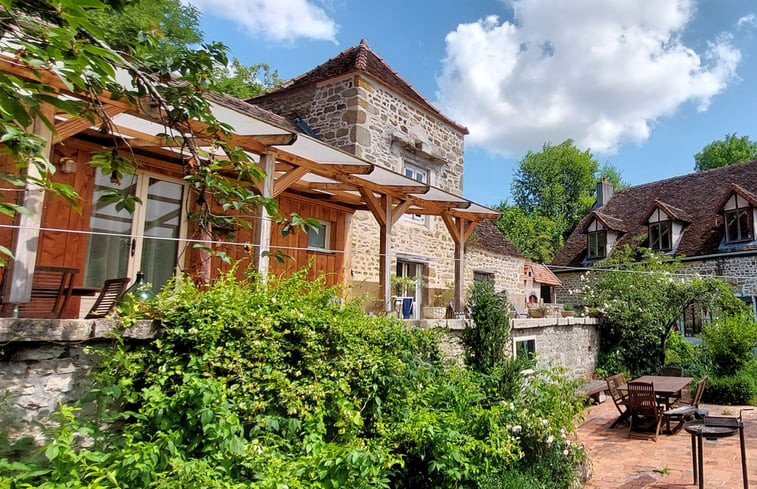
point(63, 40)
point(727, 151)
point(641, 295)
point(552, 190)
point(538, 237)
point(243, 81)
point(558, 183)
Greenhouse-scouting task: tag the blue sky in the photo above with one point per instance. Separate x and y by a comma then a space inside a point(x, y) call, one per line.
point(643, 84)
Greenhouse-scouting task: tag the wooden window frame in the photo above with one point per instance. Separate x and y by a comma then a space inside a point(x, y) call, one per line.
point(741, 236)
point(656, 234)
point(594, 238)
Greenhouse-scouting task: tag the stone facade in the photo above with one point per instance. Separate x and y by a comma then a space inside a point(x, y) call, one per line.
point(572, 343)
point(507, 272)
point(359, 115)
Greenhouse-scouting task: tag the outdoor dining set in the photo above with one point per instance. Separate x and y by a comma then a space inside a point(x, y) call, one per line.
point(654, 404)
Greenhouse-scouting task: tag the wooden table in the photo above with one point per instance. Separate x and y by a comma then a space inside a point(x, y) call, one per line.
point(665, 387)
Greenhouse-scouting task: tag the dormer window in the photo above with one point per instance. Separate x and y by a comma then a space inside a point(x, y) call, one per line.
point(666, 225)
point(660, 236)
point(602, 231)
point(738, 225)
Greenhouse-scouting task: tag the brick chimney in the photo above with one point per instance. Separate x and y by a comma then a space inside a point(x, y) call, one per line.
point(604, 193)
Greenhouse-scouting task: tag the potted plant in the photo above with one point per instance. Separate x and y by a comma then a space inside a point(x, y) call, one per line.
point(537, 310)
point(437, 309)
point(567, 311)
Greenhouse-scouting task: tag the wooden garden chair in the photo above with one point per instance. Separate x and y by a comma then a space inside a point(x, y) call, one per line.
point(618, 398)
point(106, 301)
point(646, 413)
point(685, 410)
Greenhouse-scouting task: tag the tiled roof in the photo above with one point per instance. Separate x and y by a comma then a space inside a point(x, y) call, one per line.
point(609, 222)
point(696, 198)
point(674, 213)
point(490, 238)
point(543, 275)
point(252, 110)
point(362, 59)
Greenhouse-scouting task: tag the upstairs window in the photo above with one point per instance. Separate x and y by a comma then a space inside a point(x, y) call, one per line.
point(738, 225)
point(420, 175)
point(661, 236)
point(597, 247)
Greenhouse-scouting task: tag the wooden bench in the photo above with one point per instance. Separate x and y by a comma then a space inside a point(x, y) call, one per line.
point(594, 389)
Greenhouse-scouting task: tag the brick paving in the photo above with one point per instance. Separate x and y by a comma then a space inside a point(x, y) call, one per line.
point(623, 463)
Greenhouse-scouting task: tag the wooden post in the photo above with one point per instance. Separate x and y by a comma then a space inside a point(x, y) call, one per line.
point(27, 235)
point(263, 225)
point(459, 264)
point(385, 250)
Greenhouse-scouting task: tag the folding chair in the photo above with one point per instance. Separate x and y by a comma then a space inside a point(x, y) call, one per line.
point(645, 412)
point(106, 301)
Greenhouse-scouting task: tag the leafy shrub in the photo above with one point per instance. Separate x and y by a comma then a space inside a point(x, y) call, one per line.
point(487, 337)
point(678, 351)
point(737, 389)
point(267, 385)
point(729, 343)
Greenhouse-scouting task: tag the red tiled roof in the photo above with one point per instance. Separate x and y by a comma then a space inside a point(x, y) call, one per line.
point(673, 213)
point(697, 197)
point(543, 275)
point(362, 59)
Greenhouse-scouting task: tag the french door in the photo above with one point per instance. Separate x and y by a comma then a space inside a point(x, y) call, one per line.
point(148, 239)
point(413, 270)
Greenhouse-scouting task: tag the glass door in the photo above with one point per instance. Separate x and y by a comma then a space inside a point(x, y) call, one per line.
point(413, 270)
point(123, 243)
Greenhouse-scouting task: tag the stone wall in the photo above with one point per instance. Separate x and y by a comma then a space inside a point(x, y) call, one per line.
point(43, 363)
point(572, 343)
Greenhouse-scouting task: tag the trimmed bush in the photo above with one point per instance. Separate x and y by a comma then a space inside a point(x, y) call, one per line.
point(735, 389)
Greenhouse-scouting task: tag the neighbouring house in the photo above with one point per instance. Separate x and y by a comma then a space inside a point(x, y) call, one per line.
point(386, 187)
point(357, 103)
point(540, 284)
point(706, 218)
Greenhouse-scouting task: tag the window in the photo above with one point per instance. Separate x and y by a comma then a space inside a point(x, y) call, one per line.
point(318, 237)
point(738, 225)
point(597, 244)
point(483, 277)
point(525, 347)
point(660, 236)
point(420, 175)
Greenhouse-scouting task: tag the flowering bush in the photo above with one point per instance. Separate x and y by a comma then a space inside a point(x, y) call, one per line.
point(280, 385)
point(641, 295)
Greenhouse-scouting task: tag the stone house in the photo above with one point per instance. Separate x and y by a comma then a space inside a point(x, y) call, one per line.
point(386, 190)
point(707, 219)
point(357, 103)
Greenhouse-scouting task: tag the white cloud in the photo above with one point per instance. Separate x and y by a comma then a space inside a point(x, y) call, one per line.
point(596, 71)
point(749, 20)
point(277, 20)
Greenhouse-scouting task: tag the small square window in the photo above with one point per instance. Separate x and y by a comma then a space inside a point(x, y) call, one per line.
point(525, 348)
point(318, 237)
point(483, 277)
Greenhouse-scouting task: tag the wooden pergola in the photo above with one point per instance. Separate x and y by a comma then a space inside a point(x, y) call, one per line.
point(291, 161)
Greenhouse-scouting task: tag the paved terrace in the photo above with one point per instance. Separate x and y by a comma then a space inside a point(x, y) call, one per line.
point(619, 462)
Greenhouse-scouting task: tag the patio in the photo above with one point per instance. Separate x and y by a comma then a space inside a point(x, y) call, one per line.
point(619, 462)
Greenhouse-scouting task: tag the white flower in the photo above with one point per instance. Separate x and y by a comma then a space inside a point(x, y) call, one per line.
point(544, 422)
point(565, 453)
point(550, 440)
point(516, 428)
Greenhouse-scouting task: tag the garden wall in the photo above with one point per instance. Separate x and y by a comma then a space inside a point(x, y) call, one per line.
point(45, 362)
